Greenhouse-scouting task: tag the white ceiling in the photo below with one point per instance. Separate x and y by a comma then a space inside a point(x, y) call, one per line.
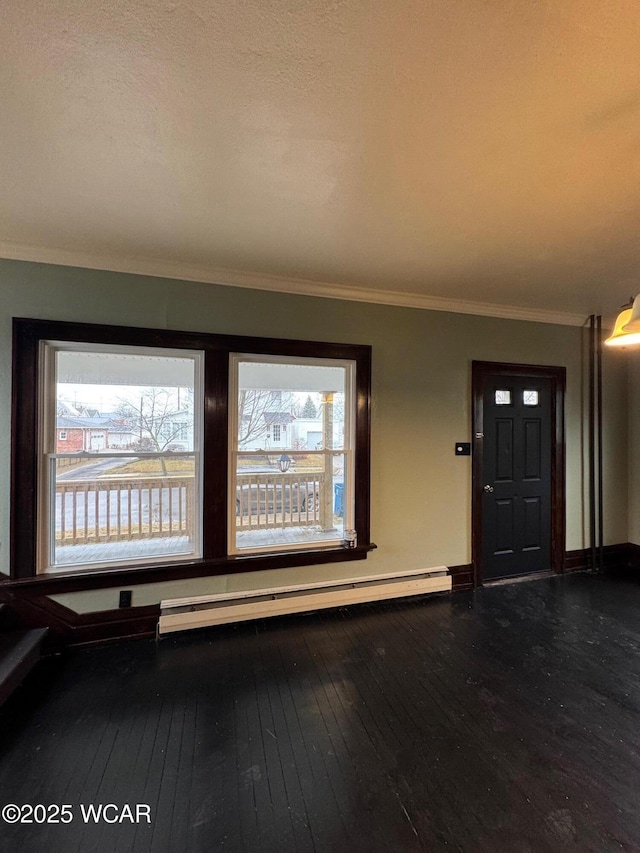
point(408, 151)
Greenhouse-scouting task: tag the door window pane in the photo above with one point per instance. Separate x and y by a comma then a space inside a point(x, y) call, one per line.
point(503, 397)
point(530, 397)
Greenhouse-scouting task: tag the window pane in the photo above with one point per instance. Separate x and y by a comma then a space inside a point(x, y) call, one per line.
point(122, 401)
point(292, 417)
point(304, 504)
point(503, 397)
point(530, 397)
point(123, 509)
point(124, 480)
point(303, 404)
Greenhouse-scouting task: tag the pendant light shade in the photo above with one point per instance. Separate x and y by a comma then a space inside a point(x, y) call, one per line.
point(626, 332)
point(633, 325)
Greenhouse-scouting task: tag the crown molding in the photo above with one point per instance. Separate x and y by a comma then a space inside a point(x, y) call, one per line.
point(299, 287)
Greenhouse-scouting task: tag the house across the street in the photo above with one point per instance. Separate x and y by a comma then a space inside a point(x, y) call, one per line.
point(92, 434)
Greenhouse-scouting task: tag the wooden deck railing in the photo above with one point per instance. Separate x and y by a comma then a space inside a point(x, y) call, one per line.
point(113, 510)
point(266, 501)
point(90, 511)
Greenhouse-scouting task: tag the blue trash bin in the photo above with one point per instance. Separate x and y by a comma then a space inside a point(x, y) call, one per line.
point(338, 503)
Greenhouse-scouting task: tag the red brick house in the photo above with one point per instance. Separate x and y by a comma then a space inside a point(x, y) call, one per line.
point(76, 434)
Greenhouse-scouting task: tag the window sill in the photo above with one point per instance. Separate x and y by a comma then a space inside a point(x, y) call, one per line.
point(108, 578)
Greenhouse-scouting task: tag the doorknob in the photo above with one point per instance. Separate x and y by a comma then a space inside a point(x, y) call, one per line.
point(488, 488)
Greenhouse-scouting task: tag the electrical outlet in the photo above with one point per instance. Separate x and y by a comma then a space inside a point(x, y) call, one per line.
point(125, 598)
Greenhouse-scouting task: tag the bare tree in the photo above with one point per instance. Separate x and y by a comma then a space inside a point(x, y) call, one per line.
point(253, 405)
point(154, 417)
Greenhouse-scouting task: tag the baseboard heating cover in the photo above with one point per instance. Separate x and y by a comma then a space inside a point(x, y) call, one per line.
point(181, 614)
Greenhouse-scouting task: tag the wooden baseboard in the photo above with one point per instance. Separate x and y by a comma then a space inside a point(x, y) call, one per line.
point(615, 557)
point(68, 628)
point(462, 577)
point(633, 556)
point(576, 561)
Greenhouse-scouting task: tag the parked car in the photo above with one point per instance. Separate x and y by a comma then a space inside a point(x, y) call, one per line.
point(269, 498)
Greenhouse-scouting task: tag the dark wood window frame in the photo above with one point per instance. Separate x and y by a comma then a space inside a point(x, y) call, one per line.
point(558, 379)
point(27, 337)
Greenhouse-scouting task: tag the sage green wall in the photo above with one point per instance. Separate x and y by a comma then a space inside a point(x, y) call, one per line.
point(421, 492)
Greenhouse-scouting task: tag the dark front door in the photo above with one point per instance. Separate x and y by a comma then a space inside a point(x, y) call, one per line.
point(515, 501)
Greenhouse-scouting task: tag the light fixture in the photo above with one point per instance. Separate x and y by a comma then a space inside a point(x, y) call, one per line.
point(626, 332)
point(284, 462)
point(633, 325)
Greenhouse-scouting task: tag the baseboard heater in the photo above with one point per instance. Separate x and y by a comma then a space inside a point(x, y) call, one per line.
point(181, 614)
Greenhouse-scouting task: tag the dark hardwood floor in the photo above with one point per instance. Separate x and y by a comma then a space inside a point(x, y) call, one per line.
point(502, 720)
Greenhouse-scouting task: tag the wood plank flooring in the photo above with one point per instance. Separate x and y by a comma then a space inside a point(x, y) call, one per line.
point(502, 720)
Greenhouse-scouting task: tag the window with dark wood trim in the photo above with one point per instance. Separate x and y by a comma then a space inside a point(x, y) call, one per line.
point(167, 476)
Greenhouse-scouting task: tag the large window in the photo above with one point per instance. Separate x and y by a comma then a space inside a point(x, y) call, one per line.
point(296, 493)
point(146, 454)
point(127, 489)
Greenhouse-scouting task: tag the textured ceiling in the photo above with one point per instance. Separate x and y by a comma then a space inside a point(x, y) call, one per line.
point(485, 151)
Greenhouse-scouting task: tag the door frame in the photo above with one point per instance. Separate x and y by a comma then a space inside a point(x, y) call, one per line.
point(558, 381)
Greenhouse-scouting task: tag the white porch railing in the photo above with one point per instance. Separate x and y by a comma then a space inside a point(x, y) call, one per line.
point(89, 511)
point(289, 499)
point(93, 511)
